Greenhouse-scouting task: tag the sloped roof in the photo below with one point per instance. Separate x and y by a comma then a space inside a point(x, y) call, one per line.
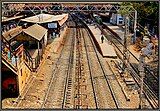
point(44, 18)
point(36, 31)
point(12, 33)
point(61, 22)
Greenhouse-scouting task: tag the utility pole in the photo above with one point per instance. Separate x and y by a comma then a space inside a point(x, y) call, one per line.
point(126, 32)
point(145, 52)
point(141, 73)
point(135, 24)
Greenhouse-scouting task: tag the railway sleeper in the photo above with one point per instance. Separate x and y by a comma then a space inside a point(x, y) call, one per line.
point(69, 89)
point(69, 86)
point(68, 92)
point(81, 86)
point(68, 98)
point(84, 96)
point(68, 95)
point(70, 80)
point(68, 103)
point(67, 106)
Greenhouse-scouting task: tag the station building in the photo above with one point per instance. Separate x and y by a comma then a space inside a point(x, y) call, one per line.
point(15, 68)
point(54, 23)
point(34, 39)
point(23, 46)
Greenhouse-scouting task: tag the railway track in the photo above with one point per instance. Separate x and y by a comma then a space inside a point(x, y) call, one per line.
point(151, 79)
point(103, 73)
point(68, 86)
point(80, 100)
point(90, 73)
point(103, 93)
point(95, 66)
point(59, 90)
point(150, 94)
point(69, 81)
point(36, 100)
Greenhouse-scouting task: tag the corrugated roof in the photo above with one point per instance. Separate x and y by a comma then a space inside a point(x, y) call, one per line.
point(12, 33)
point(36, 31)
point(44, 18)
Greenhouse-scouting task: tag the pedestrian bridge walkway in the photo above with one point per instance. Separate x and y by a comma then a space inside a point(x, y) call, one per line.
point(106, 48)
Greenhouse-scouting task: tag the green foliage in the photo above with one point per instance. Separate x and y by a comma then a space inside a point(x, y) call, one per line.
point(146, 11)
point(126, 8)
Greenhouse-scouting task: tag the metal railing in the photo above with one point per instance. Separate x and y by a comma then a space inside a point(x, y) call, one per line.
point(8, 55)
point(15, 58)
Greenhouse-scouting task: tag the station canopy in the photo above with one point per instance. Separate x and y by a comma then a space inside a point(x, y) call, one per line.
point(5, 19)
point(47, 18)
point(36, 31)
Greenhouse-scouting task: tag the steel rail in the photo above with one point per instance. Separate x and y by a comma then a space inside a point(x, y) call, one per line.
point(54, 77)
point(148, 92)
point(90, 72)
point(103, 70)
point(69, 72)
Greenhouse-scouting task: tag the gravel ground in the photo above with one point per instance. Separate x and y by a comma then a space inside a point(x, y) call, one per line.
point(34, 97)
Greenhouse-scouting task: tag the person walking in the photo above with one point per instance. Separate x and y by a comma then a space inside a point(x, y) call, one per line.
point(102, 38)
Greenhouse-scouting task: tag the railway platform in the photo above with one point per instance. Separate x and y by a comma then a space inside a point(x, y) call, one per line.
point(119, 32)
point(116, 30)
point(54, 45)
point(106, 48)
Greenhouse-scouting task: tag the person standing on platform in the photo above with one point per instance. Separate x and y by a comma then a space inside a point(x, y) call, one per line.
point(102, 38)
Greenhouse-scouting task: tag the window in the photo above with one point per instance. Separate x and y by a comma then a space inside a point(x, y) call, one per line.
point(120, 22)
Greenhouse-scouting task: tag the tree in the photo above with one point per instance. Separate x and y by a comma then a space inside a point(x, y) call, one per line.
point(147, 12)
